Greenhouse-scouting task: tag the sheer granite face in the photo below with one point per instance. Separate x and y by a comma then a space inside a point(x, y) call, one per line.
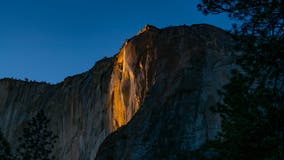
point(187, 66)
point(158, 89)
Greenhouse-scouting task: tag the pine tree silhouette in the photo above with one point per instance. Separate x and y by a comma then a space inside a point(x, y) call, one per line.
point(5, 152)
point(37, 141)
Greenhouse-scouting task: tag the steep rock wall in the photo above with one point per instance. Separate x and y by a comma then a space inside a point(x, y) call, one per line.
point(175, 119)
point(174, 72)
point(84, 108)
point(75, 107)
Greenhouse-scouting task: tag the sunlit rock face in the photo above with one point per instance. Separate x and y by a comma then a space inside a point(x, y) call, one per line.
point(190, 65)
point(168, 78)
point(84, 108)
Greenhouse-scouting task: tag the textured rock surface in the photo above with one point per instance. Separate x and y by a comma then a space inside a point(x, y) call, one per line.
point(191, 64)
point(75, 106)
point(174, 72)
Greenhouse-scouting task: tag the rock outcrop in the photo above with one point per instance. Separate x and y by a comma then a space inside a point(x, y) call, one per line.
point(162, 82)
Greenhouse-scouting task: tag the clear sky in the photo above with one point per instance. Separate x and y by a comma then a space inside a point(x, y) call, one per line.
point(47, 40)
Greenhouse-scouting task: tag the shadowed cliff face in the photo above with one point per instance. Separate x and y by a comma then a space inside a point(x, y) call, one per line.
point(76, 107)
point(190, 65)
point(174, 73)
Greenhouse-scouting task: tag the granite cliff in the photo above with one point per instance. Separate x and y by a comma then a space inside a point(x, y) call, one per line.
point(150, 100)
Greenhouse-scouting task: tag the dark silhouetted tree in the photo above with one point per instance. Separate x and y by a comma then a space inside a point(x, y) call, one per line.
point(252, 110)
point(38, 140)
point(5, 153)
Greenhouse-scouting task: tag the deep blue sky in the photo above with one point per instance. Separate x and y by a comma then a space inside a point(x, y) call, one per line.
point(47, 40)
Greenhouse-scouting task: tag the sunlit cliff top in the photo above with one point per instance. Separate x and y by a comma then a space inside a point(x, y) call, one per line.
point(147, 28)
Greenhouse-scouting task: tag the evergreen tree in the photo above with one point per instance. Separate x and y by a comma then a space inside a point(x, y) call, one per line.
point(252, 111)
point(37, 141)
point(5, 153)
